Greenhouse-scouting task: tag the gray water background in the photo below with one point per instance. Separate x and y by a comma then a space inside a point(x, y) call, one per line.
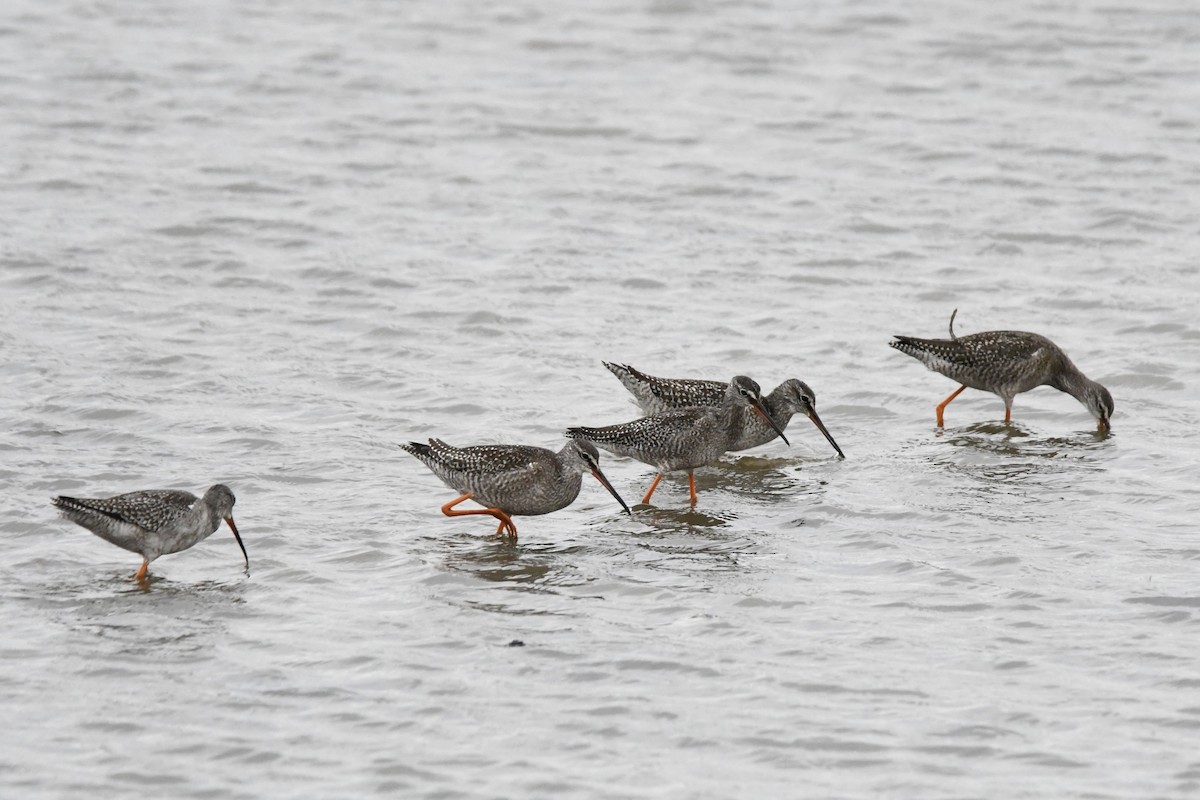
point(262, 242)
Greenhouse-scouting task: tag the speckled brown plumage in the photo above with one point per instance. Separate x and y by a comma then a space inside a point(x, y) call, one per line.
point(1007, 363)
point(511, 479)
point(681, 439)
point(656, 395)
point(155, 522)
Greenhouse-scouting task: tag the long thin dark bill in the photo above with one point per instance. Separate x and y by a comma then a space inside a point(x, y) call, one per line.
point(812, 414)
point(763, 413)
point(604, 482)
point(238, 536)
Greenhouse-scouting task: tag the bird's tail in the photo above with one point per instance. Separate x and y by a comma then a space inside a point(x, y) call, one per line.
point(416, 448)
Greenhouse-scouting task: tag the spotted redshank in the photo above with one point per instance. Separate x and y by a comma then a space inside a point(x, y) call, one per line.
point(156, 522)
point(654, 395)
point(683, 438)
point(1006, 363)
point(511, 479)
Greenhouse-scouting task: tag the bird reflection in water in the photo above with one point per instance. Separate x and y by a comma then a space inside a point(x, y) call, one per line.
point(503, 560)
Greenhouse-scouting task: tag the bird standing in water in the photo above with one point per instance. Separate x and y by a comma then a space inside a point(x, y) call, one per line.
point(511, 479)
point(655, 395)
point(1006, 363)
point(684, 438)
point(155, 522)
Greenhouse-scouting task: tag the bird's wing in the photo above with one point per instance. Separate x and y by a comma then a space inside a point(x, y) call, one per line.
point(487, 459)
point(646, 429)
point(149, 510)
point(686, 392)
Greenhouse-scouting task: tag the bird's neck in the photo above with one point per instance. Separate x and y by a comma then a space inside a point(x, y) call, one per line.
point(728, 411)
point(1073, 382)
point(205, 518)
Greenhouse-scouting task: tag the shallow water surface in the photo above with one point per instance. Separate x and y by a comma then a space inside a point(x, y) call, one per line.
point(261, 244)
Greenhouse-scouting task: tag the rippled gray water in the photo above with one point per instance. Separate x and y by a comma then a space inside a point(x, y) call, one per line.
point(262, 242)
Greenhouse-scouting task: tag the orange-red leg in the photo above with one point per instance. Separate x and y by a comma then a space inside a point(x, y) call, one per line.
point(143, 573)
point(692, 485)
point(942, 406)
point(506, 522)
point(1007, 413)
point(650, 491)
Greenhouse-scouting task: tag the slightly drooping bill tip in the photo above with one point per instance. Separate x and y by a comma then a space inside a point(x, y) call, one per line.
point(812, 414)
point(598, 475)
point(238, 536)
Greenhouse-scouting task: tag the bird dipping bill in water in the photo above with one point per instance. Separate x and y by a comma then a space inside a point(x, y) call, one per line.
point(511, 479)
point(683, 438)
point(156, 522)
point(1006, 363)
point(655, 395)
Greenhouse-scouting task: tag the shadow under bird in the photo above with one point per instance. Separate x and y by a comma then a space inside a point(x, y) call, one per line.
point(1006, 363)
point(683, 438)
point(156, 522)
point(511, 479)
point(655, 395)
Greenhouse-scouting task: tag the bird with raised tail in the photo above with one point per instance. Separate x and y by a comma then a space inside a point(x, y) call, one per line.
point(156, 522)
point(1006, 363)
point(511, 479)
point(683, 438)
point(655, 395)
